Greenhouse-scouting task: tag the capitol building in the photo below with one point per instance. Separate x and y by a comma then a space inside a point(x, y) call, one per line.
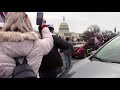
point(64, 31)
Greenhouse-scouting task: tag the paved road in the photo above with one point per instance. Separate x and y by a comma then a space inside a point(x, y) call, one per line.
point(73, 61)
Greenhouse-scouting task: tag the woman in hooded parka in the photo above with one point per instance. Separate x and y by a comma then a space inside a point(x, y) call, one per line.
point(17, 39)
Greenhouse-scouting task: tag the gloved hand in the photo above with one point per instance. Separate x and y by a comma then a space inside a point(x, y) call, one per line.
point(43, 25)
point(40, 28)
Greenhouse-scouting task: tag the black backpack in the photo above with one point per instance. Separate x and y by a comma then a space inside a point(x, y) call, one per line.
point(23, 70)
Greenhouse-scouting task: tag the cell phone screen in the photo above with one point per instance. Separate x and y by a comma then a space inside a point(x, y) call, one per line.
point(39, 18)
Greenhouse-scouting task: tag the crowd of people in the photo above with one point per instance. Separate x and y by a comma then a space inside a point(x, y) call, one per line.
point(96, 41)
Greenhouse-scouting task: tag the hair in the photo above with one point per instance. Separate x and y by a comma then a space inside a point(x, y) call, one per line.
point(67, 39)
point(51, 29)
point(91, 41)
point(17, 21)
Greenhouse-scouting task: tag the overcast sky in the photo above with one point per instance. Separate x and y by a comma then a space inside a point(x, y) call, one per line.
point(79, 21)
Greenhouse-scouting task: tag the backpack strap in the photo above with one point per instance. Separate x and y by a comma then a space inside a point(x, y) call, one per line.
point(18, 63)
point(24, 61)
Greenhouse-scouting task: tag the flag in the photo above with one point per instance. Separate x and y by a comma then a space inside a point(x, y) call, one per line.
point(96, 41)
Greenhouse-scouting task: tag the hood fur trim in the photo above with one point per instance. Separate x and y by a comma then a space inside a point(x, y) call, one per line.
point(18, 36)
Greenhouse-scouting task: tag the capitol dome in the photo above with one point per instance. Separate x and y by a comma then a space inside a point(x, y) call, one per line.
point(64, 29)
point(63, 24)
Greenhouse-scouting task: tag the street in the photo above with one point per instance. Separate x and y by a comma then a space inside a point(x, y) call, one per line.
point(63, 68)
point(73, 61)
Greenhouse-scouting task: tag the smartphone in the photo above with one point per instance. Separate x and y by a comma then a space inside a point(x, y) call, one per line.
point(2, 19)
point(39, 18)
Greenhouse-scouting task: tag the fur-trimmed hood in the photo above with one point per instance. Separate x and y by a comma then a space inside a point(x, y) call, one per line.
point(33, 50)
point(18, 36)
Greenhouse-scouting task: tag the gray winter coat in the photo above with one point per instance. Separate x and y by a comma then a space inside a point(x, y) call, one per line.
point(16, 44)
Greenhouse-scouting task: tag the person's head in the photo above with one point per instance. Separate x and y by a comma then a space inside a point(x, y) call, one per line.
point(91, 41)
point(51, 28)
point(67, 39)
point(17, 21)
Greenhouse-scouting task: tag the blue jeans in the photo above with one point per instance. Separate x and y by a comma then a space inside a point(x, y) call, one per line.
point(68, 60)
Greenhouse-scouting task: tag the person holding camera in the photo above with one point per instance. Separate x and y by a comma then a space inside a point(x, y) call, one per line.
point(18, 39)
point(52, 62)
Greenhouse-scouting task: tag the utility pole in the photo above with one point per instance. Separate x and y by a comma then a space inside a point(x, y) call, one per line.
point(115, 30)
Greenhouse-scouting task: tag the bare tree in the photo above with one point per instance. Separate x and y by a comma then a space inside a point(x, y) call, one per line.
point(94, 28)
point(87, 35)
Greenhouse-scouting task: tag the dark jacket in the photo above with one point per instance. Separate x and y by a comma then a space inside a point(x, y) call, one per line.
point(90, 45)
point(70, 50)
point(53, 59)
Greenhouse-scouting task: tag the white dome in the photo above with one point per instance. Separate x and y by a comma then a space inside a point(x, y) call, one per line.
point(63, 24)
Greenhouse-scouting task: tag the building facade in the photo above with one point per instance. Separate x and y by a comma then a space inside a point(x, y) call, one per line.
point(64, 31)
